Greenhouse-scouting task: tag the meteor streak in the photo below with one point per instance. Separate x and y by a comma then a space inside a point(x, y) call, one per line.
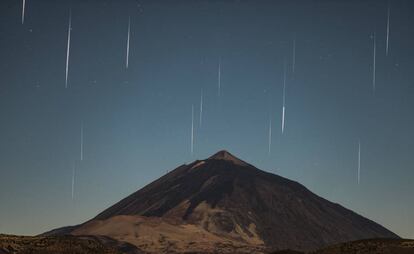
point(388, 30)
point(129, 36)
point(23, 10)
point(359, 161)
point(374, 63)
point(68, 48)
point(284, 98)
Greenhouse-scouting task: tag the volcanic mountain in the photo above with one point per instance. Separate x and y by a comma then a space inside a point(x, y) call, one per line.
point(225, 205)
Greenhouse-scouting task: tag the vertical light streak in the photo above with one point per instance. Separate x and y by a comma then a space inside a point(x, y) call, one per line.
point(359, 161)
point(374, 64)
point(68, 48)
point(128, 39)
point(23, 10)
point(388, 31)
point(284, 98)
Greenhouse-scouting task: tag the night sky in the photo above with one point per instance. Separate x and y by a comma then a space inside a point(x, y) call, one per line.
point(137, 121)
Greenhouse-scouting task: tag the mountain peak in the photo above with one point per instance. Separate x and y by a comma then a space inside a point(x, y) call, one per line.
point(227, 156)
point(229, 203)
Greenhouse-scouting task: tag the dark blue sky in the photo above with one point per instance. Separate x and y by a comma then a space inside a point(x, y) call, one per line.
point(137, 121)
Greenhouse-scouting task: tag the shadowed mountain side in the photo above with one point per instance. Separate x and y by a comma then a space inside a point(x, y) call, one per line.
point(226, 198)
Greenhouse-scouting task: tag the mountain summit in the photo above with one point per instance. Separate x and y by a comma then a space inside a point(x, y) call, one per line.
point(224, 155)
point(225, 205)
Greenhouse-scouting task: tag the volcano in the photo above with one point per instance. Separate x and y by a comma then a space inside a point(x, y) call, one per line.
point(225, 205)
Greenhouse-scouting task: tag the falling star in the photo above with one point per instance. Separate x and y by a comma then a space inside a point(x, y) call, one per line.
point(283, 118)
point(68, 48)
point(201, 107)
point(129, 36)
point(73, 181)
point(219, 78)
point(192, 130)
point(23, 10)
point(374, 63)
point(388, 30)
point(270, 134)
point(284, 98)
point(359, 161)
point(81, 143)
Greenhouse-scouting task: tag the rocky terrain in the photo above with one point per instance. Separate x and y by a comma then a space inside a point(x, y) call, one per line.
point(103, 245)
point(61, 244)
point(371, 246)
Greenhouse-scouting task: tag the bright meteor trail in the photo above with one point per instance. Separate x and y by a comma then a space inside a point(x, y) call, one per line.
point(68, 48)
point(359, 161)
point(192, 129)
point(23, 10)
point(388, 31)
point(129, 36)
point(374, 63)
point(284, 98)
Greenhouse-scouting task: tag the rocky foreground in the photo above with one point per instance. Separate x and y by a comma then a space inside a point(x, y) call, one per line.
point(63, 245)
point(102, 245)
point(372, 246)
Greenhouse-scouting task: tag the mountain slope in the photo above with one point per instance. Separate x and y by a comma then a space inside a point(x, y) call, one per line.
point(224, 202)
